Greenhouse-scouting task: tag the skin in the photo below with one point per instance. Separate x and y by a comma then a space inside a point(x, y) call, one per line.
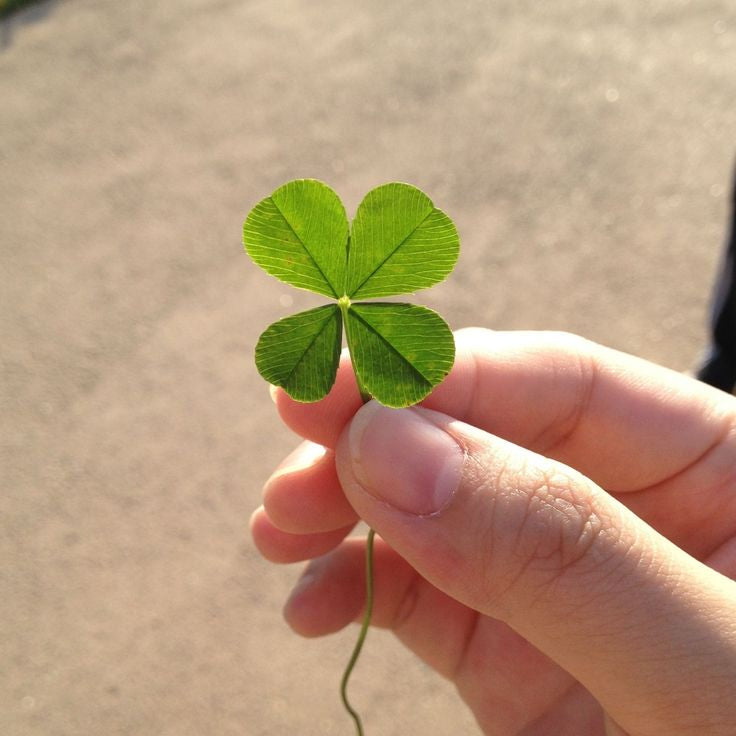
point(578, 579)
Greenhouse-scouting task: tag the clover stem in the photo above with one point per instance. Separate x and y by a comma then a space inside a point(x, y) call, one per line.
point(363, 632)
point(344, 304)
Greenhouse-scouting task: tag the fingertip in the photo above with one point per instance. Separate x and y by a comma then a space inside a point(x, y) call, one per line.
point(297, 609)
point(304, 458)
point(304, 495)
point(328, 596)
point(256, 518)
point(283, 548)
point(258, 525)
point(322, 421)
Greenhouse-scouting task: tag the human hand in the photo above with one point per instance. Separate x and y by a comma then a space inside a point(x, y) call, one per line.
point(554, 606)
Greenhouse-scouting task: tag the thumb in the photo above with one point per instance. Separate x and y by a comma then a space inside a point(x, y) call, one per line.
point(530, 541)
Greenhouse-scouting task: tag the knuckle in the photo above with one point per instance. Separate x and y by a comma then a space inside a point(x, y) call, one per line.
point(551, 530)
point(560, 526)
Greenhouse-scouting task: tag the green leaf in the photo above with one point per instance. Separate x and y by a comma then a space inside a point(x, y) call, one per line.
point(400, 352)
point(299, 235)
point(300, 353)
point(399, 243)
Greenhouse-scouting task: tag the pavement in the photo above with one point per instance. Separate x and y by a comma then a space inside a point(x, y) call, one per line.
point(584, 151)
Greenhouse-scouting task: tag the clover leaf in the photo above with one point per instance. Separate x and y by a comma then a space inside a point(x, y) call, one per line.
point(399, 242)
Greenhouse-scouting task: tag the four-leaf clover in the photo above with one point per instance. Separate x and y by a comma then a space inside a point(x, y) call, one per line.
point(399, 242)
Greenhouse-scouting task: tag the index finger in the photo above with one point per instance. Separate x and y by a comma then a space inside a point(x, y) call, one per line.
point(626, 423)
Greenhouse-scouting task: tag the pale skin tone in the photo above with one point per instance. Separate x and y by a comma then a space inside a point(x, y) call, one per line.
point(579, 576)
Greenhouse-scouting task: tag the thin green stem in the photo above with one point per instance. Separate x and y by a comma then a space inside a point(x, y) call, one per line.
point(363, 632)
point(344, 303)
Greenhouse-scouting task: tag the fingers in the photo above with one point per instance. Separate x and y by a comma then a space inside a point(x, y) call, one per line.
point(305, 513)
point(585, 405)
point(304, 495)
point(724, 559)
point(331, 594)
point(517, 536)
point(505, 681)
point(322, 421)
point(280, 546)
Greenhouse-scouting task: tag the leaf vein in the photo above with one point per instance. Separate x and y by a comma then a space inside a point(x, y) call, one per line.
point(304, 245)
point(390, 345)
point(380, 265)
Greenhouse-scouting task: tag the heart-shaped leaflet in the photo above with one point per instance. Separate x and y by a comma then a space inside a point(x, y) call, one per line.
point(399, 242)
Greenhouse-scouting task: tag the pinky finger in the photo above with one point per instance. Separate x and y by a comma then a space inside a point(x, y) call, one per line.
point(279, 546)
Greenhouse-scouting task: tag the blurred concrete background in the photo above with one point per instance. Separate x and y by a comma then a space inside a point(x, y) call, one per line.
point(584, 151)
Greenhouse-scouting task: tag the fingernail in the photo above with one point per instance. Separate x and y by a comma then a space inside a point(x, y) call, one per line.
point(304, 456)
point(307, 580)
point(273, 392)
point(402, 458)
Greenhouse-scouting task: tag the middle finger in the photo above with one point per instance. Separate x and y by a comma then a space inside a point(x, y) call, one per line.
point(304, 495)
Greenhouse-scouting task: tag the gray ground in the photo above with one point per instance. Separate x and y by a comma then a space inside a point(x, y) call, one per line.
point(583, 149)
